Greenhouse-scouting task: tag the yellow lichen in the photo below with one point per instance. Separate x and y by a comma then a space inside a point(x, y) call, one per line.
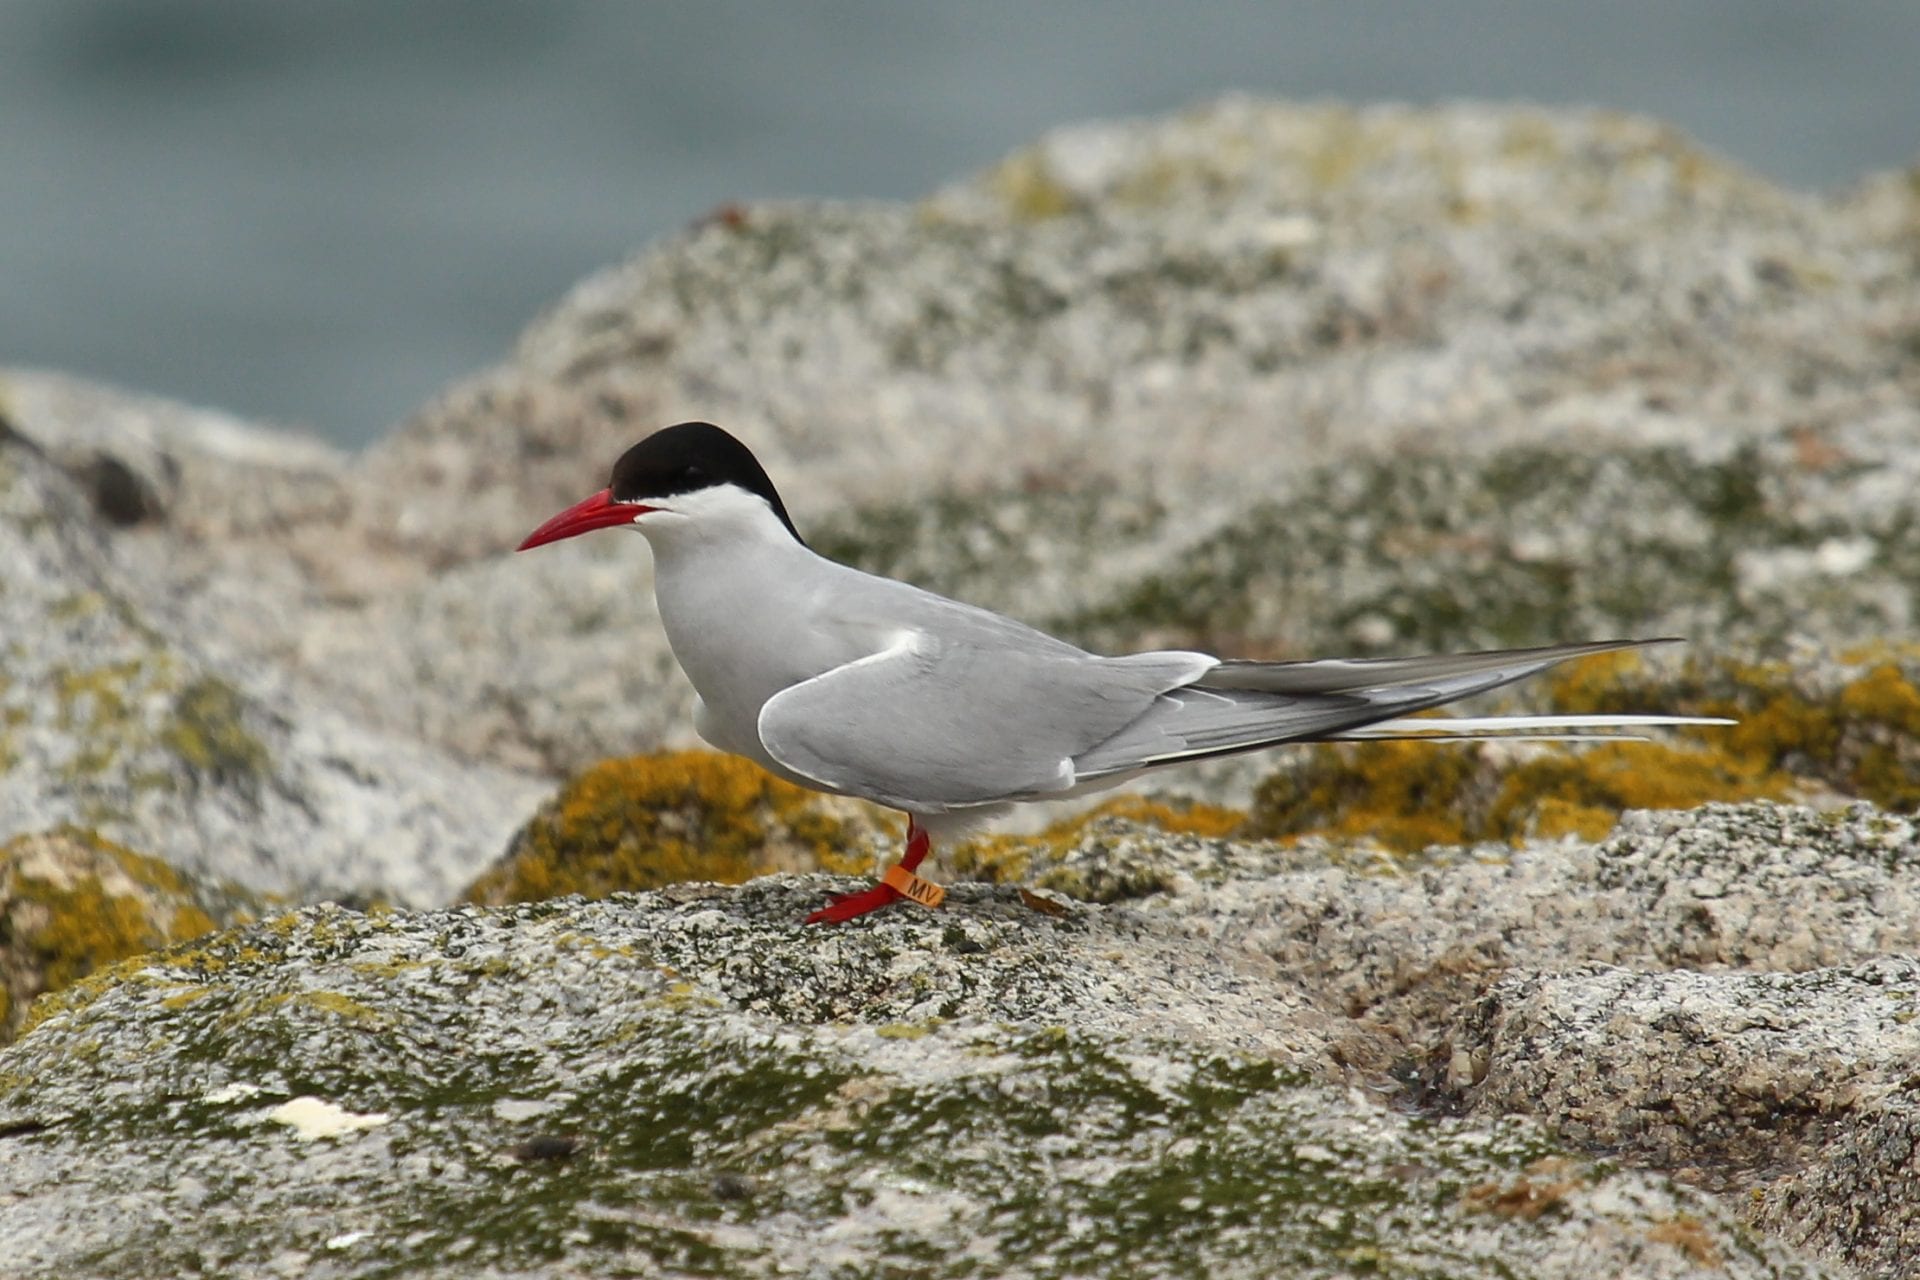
point(1404, 795)
point(906, 1030)
point(73, 904)
point(96, 705)
point(1582, 793)
point(1858, 734)
point(334, 1003)
point(185, 997)
point(71, 1000)
point(82, 604)
point(250, 1009)
point(1026, 184)
point(645, 821)
point(387, 968)
point(1178, 817)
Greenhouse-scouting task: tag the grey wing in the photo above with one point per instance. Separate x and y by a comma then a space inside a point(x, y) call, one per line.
point(930, 726)
point(1244, 706)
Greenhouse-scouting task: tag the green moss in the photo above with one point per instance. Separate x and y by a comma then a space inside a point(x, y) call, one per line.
point(681, 1140)
point(1216, 1167)
point(1407, 553)
point(206, 730)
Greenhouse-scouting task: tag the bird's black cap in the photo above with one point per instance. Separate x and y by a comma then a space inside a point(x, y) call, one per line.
point(691, 456)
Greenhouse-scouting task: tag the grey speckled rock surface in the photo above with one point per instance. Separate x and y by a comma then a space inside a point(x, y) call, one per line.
point(1688, 1069)
point(1728, 993)
point(1250, 1062)
point(664, 1083)
point(111, 723)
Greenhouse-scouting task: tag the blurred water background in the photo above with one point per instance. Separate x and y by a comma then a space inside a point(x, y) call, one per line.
point(318, 213)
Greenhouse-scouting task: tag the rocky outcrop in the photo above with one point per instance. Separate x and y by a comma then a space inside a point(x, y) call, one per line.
point(115, 722)
point(1265, 378)
point(1274, 1051)
point(642, 822)
point(688, 1081)
point(72, 903)
point(1282, 379)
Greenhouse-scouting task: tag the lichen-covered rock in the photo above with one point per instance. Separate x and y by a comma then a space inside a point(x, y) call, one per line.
point(1796, 1087)
point(1231, 294)
point(1811, 727)
point(1857, 1200)
point(1275, 378)
point(1727, 992)
point(1740, 1073)
point(1776, 536)
point(1400, 945)
point(206, 476)
point(641, 822)
point(71, 903)
point(115, 724)
point(235, 531)
point(1270, 379)
point(665, 1083)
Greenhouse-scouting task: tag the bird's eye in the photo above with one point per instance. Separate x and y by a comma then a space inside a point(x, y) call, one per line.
point(693, 476)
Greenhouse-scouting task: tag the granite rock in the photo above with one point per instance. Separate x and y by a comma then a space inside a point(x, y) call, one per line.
point(1301, 1051)
point(71, 903)
point(1282, 379)
point(117, 725)
point(687, 1082)
point(1279, 379)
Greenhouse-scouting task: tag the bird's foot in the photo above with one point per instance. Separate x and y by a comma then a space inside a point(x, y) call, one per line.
point(850, 906)
point(898, 883)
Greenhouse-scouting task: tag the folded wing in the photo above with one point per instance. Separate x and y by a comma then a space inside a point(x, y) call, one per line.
point(929, 726)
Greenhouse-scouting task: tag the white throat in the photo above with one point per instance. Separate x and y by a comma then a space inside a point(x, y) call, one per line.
point(717, 521)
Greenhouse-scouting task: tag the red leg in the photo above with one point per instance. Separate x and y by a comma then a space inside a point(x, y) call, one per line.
point(919, 844)
point(852, 905)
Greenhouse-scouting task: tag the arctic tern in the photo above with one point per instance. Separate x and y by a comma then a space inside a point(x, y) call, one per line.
point(858, 685)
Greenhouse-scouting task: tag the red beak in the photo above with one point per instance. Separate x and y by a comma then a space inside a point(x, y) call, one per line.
point(598, 512)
